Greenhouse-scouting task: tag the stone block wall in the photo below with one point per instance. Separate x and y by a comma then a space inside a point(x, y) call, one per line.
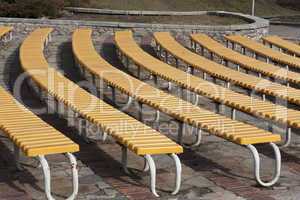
point(256, 28)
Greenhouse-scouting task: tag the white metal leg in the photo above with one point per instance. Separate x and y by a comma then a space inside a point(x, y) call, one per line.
point(17, 157)
point(204, 75)
point(233, 114)
point(169, 86)
point(129, 102)
point(277, 168)
point(263, 97)
point(124, 159)
point(146, 165)
point(85, 130)
point(47, 176)
point(228, 85)
point(288, 137)
point(152, 167)
point(198, 140)
point(104, 136)
point(180, 132)
point(73, 162)
point(196, 101)
point(178, 173)
point(140, 111)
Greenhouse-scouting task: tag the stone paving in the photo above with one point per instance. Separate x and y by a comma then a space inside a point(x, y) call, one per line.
point(217, 169)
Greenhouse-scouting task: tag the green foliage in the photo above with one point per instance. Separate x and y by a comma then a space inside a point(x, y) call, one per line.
point(31, 8)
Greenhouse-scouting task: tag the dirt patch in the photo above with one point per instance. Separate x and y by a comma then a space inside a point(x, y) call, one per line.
point(199, 19)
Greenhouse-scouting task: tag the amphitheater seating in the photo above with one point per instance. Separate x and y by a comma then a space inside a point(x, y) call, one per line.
point(260, 49)
point(228, 55)
point(287, 46)
point(128, 132)
point(5, 33)
point(244, 103)
point(231, 130)
point(165, 41)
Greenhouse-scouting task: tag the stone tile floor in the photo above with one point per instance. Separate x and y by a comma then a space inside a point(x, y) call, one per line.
point(217, 169)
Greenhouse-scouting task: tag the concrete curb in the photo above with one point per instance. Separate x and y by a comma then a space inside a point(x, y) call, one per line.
point(254, 23)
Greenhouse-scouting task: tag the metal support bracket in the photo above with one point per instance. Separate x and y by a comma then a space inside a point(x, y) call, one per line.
point(198, 140)
point(47, 176)
point(288, 137)
point(124, 159)
point(256, 163)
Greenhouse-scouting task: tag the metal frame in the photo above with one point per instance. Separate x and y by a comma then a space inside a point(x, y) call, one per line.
point(150, 166)
point(198, 140)
point(47, 177)
point(288, 137)
point(256, 163)
point(46, 171)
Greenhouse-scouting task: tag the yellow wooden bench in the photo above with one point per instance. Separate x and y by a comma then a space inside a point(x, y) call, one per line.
point(5, 33)
point(260, 49)
point(263, 109)
point(35, 138)
point(96, 67)
point(283, 45)
point(172, 48)
point(203, 41)
point(127, 131)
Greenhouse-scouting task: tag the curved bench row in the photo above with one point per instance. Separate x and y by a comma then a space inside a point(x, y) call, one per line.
point(260, 49)
point(242, 61)
point(128, 132)
point(95, 66)
point(262, 109)
point(283, 45)
point(172, 48)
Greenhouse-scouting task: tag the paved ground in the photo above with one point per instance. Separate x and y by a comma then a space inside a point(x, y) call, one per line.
point(286, 31)
point(216, 170)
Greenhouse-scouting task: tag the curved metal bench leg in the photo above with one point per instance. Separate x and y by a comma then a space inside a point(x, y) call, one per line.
point(169, 86)
point(17, 157)
point(180, 132)
point(257, 165)
point(152, 167)
point(178, 173)
point(124, 159)
point(73, 162)
point(47, 176)
point(104, 136)
point(288, 137)
point(198, 140)
point(157, 118)
point(146, 165)
point(129, 102)
point(196, 101)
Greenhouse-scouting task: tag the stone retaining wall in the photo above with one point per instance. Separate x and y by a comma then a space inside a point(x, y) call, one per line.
point(256, 27)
